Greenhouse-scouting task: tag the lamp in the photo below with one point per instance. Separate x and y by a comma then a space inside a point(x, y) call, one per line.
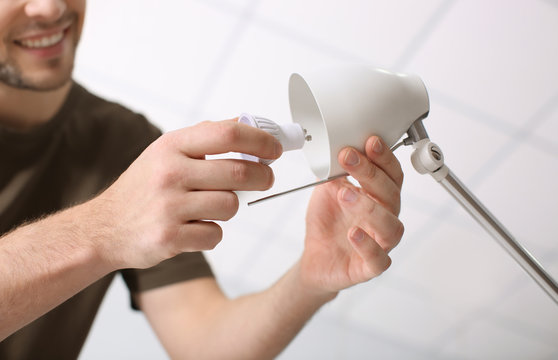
point(343, 106)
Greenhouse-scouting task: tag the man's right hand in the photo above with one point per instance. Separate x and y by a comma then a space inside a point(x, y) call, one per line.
point(166, 201)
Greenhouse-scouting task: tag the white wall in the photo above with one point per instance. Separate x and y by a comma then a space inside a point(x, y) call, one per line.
point(490, 68)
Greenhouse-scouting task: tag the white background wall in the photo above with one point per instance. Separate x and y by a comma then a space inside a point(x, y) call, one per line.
point(491, 71)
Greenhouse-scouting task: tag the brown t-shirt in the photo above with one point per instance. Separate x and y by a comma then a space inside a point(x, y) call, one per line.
point(77, 154)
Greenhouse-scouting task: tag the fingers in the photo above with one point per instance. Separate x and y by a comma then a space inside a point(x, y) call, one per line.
point(379, 174)
point(376, 259)
point(226, 174)
point(378, 152)
point(198, 235)
point(186, 226)
point(207, 205)
point(209, 138)
point(363, 211)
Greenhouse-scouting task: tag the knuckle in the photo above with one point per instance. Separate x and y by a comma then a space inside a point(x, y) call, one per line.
point(371, 171)
point(372, 205)
point(239, 172)
point(164, 237)
point(166, 176)
point(229, 132)
point(165, 141)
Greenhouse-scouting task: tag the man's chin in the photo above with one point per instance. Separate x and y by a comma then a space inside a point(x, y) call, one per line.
point(51, 77)
point(39, 84)
point(45, 86)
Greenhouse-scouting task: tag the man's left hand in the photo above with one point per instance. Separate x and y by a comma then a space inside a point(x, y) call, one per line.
point(351, 230)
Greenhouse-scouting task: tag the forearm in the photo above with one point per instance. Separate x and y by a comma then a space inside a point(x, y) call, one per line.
point(44, 263)
point(261, 325)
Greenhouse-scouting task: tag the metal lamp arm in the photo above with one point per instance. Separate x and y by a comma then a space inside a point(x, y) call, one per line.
point(428, 158)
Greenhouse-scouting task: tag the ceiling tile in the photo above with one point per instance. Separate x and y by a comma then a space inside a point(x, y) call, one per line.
point(494, 56)
point(522, 193)
point(527, 311)
point(460, 268)
point(375, 31)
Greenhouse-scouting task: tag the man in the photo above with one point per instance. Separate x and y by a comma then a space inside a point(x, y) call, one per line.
point(67, 230)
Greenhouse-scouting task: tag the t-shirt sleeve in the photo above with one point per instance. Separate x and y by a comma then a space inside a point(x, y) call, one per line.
point(183, 267)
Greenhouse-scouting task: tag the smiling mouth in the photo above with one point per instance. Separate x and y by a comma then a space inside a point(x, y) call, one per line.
point(42, 42)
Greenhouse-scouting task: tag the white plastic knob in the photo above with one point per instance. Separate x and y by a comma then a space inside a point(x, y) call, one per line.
point(291, 136)
point(427, 157)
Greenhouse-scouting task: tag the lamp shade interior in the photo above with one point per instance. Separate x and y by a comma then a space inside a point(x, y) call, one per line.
point(306, 112)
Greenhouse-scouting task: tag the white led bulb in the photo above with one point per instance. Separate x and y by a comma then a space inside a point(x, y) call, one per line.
point(291, 136)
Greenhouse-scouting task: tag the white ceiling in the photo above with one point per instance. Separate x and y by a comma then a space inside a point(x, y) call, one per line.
point(490, 68)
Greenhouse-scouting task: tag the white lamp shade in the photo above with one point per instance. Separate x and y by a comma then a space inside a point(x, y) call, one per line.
point(344, 106)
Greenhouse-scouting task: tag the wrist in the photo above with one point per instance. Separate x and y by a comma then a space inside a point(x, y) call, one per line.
point(309, 290)
point(96, 228)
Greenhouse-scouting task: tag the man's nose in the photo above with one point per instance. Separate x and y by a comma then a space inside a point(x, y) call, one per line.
point(47, 10)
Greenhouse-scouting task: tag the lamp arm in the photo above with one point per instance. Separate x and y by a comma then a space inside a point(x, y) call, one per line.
point(428, 158)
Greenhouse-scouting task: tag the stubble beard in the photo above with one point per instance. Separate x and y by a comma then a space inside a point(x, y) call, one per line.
point(12, 76)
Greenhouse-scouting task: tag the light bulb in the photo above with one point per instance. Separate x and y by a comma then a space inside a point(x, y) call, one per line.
point(291, 136)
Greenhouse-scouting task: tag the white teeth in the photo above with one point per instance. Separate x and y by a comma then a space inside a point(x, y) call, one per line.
point(43, 42)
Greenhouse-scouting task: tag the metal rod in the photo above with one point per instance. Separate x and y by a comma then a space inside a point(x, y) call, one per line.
point(393, 148)
point(474, 207)
point(297, 189)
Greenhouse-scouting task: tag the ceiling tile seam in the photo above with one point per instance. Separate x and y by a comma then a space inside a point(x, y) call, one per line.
point(285, 32)
point(521, 280)
point(424, 232)
point(440, 216)
point(541, 115)
point(423, 34)
point(296, 37)
point(335, 52)
point(416, 202)
point(244, 19)
point(491, 121)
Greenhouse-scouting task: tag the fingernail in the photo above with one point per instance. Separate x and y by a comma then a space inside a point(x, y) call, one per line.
point(377, 147)
point(357, 235)
point(352, 158)
point(349, 195)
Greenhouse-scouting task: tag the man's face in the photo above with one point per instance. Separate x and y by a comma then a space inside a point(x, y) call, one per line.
point(38, 41)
